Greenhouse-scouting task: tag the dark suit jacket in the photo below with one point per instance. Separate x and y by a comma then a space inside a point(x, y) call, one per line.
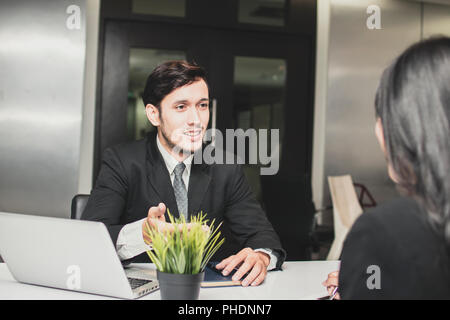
point(133, 177)
point(412, 257)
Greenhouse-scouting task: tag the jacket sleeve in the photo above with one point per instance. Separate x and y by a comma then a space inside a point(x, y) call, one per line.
point(108, 197)
point(247, 220)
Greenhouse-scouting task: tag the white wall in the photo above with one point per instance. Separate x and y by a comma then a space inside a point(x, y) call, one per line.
point(42, 58)
point(89, 97)
point(320, 101)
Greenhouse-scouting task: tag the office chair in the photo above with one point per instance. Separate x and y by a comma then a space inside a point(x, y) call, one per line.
point(78, 204)
point(363, 193)
point(346, 209)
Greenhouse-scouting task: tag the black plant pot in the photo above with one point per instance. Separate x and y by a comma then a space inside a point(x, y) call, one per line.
point(179, 286)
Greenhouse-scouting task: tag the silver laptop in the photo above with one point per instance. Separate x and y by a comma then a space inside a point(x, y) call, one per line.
point(68, 254)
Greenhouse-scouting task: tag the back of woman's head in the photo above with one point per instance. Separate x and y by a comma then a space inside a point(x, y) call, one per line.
point(413, 103)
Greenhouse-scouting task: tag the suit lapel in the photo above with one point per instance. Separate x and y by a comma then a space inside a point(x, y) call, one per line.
point(158, 176)
point(198, 185)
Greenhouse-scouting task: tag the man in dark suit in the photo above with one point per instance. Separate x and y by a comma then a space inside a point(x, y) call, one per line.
point(140, 180)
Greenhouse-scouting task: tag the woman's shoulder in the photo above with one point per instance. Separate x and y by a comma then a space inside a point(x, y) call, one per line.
point(399, 225)
point(397, 238)
point(394, 208)
point(399, 215)
point(404, 224)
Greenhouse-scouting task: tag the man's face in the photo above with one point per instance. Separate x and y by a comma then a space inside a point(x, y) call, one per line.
point(183, 117)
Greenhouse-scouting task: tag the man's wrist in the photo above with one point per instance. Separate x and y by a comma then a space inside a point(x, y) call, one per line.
point(145, 236)
point(273, 257)
point(264, 257)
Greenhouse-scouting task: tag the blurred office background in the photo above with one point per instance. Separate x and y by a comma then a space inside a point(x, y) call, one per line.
point(72, 74)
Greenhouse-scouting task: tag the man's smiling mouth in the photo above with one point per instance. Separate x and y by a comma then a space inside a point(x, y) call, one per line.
point(193, 133)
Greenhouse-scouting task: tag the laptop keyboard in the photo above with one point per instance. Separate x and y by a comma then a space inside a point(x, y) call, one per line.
point(135, 283)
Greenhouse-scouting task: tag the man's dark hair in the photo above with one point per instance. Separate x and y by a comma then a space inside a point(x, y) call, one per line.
point(413, 103)
point(169, 76)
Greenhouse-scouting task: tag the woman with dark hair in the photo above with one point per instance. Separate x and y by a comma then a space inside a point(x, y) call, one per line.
point(401, 250)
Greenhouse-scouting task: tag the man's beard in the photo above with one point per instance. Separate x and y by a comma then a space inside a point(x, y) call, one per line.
point(174, 147)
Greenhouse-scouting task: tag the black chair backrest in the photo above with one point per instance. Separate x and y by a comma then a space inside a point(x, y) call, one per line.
point(78, 204)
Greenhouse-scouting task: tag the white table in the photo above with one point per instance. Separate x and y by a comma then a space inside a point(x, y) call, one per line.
point(299, 280)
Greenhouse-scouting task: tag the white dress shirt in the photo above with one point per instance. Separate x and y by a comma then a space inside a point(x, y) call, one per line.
point(130, 241)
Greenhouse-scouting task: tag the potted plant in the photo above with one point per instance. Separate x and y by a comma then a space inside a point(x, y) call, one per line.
point(181, 255)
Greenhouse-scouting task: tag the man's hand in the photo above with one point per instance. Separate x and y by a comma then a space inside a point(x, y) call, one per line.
point(331, 283)
point(248, 260)
point(155, 219)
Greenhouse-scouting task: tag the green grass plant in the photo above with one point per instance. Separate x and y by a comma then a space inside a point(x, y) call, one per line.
point(188, 248)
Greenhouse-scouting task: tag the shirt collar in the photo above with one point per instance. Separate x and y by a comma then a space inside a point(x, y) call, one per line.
point(170, 161)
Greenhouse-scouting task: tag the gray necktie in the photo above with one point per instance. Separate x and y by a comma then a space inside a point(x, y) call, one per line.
point(180, 189)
